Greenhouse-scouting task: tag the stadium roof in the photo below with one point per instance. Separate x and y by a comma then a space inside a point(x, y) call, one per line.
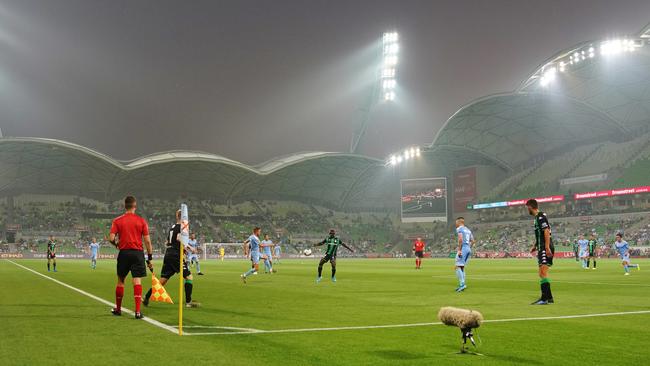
point(45, 166)
point(603, 94)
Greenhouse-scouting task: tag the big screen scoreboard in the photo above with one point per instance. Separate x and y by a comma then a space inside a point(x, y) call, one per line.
point(424, 199)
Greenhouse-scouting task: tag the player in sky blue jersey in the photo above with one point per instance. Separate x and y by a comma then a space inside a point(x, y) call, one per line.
point(623, 249)
point(252, 248)
point(94, 251)
point(193, 255)
point(277, 251)
point(267, 255)
point(465, 242)
point(583, 247)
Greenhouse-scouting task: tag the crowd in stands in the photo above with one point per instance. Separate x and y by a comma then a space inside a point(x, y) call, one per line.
point(516, 236)
point(297, 226)
point(43, 217)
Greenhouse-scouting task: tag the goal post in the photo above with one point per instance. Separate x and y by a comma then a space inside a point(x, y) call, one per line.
point(206, 246)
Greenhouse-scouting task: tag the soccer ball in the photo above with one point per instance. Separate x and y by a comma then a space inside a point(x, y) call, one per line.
point(307, 252)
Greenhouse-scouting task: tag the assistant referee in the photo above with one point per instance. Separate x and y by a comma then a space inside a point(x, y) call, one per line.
point(131, 230)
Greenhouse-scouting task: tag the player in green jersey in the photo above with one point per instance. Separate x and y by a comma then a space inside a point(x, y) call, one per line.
point(592, 248)
point(332, 242)
point(51, 253)
point(545, 251)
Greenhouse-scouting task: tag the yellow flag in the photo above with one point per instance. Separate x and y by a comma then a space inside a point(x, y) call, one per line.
point(158, 292)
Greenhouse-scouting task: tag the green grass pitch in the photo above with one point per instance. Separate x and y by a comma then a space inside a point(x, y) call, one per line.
point(45, 323)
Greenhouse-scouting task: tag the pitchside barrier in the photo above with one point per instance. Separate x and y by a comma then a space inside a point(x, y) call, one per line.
point(479, 255)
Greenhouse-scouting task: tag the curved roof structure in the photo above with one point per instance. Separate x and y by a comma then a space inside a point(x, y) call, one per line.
point(593, 91)
point(34, 165)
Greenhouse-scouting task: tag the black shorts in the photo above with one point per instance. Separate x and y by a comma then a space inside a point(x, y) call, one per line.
point(592, 253)
point(51, 255)
point(131, 260)
point(543, 260)
point(419, 254)
point(171, 264)
point(328, 258)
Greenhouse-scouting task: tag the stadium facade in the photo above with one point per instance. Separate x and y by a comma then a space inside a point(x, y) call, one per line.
point(590, 100)
point(593, 93)
point(338, 180)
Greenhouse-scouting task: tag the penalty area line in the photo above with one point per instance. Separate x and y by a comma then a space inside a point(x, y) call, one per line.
point(96, 298)
point(508, 320)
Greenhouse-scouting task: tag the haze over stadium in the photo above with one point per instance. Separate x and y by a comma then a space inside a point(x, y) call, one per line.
point(273, 169)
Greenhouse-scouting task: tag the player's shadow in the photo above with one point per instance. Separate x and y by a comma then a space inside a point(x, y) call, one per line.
point(447, 351)
point(399, 355)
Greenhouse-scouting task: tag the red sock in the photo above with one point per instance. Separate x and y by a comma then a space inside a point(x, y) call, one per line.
point(137, 294)
point(119, 293)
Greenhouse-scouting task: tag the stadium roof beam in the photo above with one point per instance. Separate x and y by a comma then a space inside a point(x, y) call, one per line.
point(607, 74)
point(510, 120)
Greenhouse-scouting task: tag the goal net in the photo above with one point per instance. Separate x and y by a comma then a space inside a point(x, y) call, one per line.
point(212, 250)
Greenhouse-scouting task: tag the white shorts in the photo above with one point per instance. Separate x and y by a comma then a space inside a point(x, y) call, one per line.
point(193, 258)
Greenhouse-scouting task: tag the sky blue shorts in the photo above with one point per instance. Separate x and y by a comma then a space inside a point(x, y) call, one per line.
point(461, 260)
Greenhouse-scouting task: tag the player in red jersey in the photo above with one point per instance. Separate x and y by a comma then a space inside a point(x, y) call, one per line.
point(418, 248)
point(131, 230)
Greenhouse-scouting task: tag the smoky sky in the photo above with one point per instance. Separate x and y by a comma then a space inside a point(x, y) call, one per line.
point(252, 80)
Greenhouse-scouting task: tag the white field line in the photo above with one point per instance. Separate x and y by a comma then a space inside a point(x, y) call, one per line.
point(259, 331)
point(105, 302)
point(244, 330)
point(489, 278)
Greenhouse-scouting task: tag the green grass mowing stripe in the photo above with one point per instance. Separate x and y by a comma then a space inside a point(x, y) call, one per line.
point(148, 320)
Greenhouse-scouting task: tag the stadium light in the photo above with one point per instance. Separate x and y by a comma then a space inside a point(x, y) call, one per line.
point(548, 76)
point(407, 154)
point(548, 72)
point(384, 86)
point(390, 42)
point(617, 46)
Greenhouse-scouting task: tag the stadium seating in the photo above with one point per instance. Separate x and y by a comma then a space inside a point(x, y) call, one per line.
point(544, 179)
point(610, 155)
point(297, 225)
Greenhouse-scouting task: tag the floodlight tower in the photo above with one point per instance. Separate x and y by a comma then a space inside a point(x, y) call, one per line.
point(384, 86)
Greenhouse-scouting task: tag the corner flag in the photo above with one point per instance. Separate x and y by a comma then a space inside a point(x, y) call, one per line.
point(185, 236)
point(158, 292)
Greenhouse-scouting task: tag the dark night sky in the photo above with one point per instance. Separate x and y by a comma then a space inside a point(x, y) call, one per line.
point(252, 80)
